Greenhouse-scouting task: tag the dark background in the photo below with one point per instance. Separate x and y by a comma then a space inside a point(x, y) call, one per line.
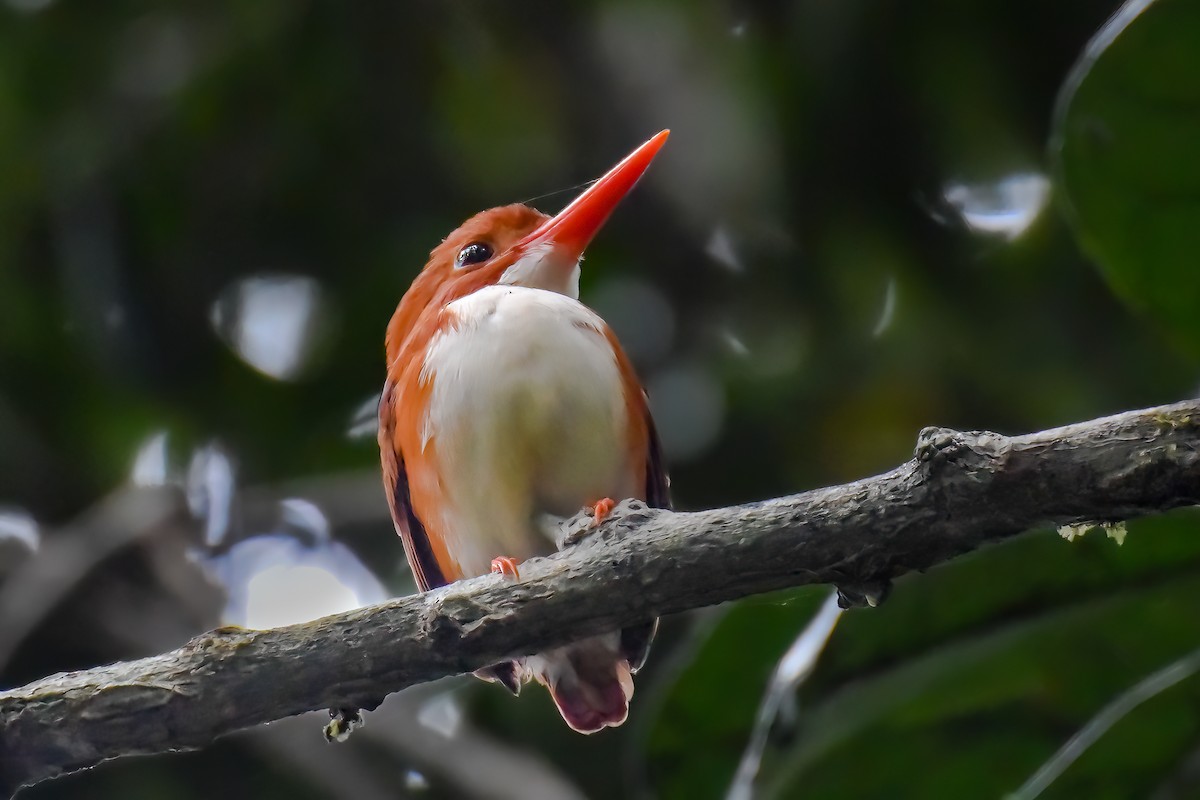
point(858, 228)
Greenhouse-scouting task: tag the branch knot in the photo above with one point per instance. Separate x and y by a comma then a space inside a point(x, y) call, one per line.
point(972, 453)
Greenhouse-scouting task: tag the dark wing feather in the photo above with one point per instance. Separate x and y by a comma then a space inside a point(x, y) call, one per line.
point(658, 483)
point(416, 542)
point(425, 568)
point(635, 641)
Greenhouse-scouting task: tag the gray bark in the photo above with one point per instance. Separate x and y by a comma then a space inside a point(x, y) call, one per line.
point(960, 491)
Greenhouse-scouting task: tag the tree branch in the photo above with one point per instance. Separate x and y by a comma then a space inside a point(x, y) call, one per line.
point(960, 491)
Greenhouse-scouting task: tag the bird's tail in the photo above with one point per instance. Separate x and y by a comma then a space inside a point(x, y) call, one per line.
point(590, 681)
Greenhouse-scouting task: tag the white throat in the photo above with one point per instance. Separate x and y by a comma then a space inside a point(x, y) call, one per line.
point(542, 268)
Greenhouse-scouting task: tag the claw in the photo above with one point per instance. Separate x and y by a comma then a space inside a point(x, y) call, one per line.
point(503, 565)
point(602, 509)
point(505, 674)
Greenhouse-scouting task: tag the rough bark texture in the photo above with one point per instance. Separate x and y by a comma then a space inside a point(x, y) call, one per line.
point(960, 491)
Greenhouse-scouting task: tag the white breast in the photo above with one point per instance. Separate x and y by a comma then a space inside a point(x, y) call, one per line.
point(527, 417)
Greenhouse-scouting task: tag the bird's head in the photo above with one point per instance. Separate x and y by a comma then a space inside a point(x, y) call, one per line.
point(518, 246)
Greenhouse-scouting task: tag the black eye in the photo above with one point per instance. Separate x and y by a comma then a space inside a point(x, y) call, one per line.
point(474, 253)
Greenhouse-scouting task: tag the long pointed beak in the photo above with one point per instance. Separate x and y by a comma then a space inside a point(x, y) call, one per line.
point(572, 229)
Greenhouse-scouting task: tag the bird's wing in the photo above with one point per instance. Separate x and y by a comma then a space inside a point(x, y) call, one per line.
point(417, 546)
point(636, 641)
point(658, 483)
point(643, 437)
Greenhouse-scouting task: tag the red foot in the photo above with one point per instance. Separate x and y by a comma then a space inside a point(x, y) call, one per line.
point(602, 509)
point(503, 565)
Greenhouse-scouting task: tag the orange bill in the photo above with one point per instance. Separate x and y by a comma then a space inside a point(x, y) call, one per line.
point(570, 231)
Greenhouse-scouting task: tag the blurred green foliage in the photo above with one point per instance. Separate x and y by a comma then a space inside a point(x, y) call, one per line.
point(834, 260)
point(990, 666)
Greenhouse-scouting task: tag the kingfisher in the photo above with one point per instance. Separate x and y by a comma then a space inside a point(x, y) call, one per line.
point(509, 406)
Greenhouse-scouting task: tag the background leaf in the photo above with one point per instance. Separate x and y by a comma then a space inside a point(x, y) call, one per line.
point(1125, 147)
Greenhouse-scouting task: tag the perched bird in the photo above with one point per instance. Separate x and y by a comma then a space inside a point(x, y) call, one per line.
point(509, 405)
